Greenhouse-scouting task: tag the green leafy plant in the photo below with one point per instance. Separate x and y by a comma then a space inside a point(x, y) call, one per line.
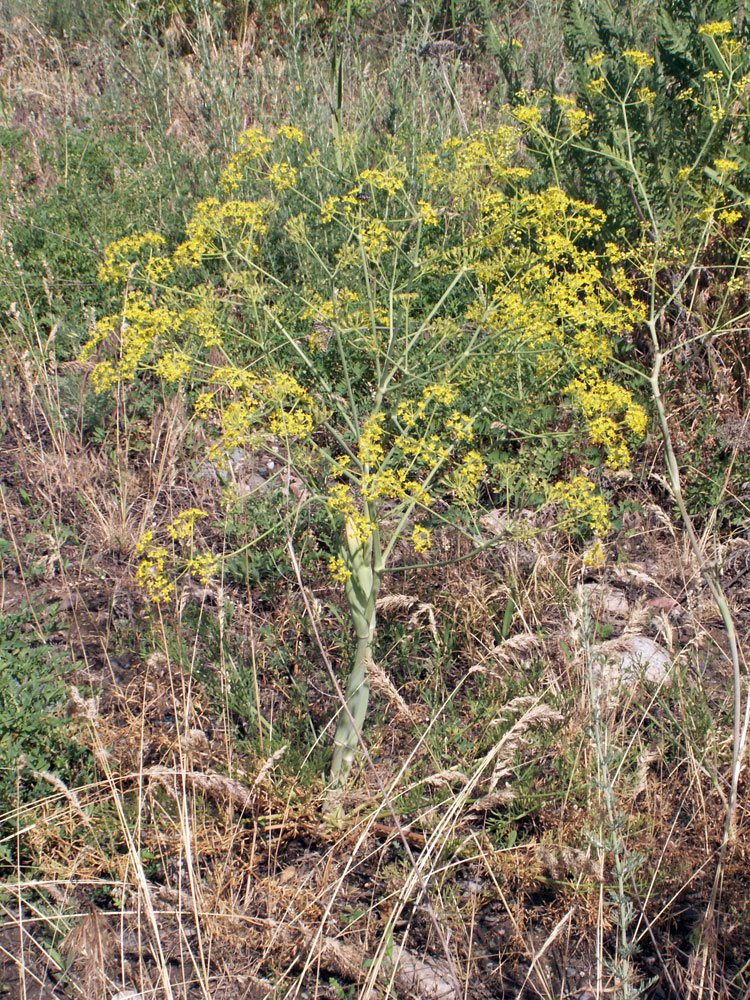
point(257, 532)
point(35, 736)
point(660, 98)
point(662, 105)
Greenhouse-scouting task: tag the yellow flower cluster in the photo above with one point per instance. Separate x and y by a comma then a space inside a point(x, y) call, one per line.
point(370, 447)
point(328, 208)
point(292, 134)
point(374, 236)
point(182, 527)
point(203, 566)
point(133, 335)
point(277, 405)
point(151, 577)
point(575, 118)
point(641, 60)
point(545, 211)
point(715, 29)
point(254, 144)
point(173, 366)
point(430, 450)
point(381, 180)
point(646, 96)
point(291, 424)
point(200, 232)
point(595, 554)
point(529, 115)
point(411, 412)
point(439, 393)
point(282, 175)
point(421, 538)
point(283, 387)
point(459, 426)
point(233, 378)
point(296, 229)
point(595, 87)
point(730, 48)
point(340, 501)
point(157, 570)
point(393, 484)
point(117, 264)
point(156, 269)
point(239, 222)
point(237, 420)
point(609, 410)
point(725, 166)
point(427, 213)
point(479, 164)
point(729, 216)
point(339, 570)
point(583, 503)
point(466, 477)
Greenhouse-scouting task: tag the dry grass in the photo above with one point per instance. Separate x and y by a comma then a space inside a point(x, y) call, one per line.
point(220, 875)
point(223, 879)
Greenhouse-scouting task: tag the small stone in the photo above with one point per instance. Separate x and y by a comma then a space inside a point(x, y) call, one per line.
point(624, 662)
point(606, 603)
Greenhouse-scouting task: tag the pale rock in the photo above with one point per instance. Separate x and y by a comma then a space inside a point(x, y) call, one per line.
point(607, 604)
point(622, 663)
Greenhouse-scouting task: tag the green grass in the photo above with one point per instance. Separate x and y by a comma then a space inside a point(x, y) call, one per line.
point(95, 189)
point(35, 735)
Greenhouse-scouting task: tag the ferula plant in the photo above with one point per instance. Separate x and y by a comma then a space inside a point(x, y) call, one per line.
point(659, 103)
point(372, 323)
point(690, 227)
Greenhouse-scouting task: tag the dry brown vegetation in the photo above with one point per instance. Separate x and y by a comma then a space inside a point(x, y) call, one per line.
point(221, 876)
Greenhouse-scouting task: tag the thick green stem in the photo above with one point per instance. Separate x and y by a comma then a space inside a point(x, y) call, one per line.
point(350, 723)
point(364, 562)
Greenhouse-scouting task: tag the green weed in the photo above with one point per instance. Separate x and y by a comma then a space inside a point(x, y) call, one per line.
point(35, 736)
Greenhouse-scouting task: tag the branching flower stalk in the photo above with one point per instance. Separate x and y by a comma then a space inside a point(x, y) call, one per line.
point(714, 202)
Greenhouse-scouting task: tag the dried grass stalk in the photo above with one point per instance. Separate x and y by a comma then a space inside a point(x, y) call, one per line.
point(213, 785)
point(380, 683)
point(402, 602)
point(534, 716)
point(68, 794)
point(424, 978)
point(92, 946)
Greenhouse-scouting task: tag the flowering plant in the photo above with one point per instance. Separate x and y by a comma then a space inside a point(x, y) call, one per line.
point(661, 105)
point(375, 323)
